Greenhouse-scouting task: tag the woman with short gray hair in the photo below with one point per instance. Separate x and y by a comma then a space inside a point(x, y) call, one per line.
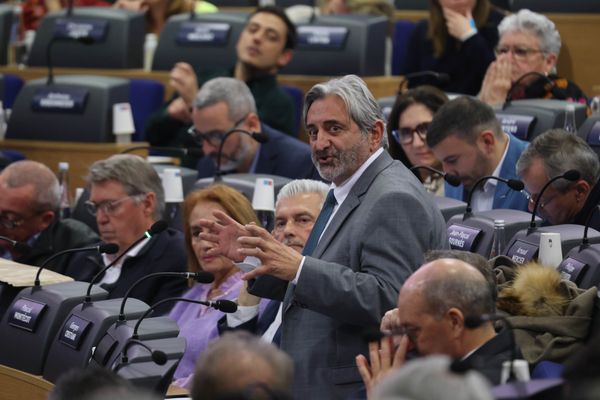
point(526, 55)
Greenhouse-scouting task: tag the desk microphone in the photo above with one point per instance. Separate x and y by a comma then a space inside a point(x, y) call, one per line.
point(440, 77)
point(185, 151)
point(200, 277)
point(84, 40)
point(159, 357)
point(156, 228)
point(225, 306)
point(260, 137)
point(452, 180)
point(20, 247)
point(514, 184)
point(556, 92)
point(571, 175)
point(106, 248)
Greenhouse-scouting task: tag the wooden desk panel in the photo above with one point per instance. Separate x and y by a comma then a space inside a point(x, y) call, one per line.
point(381, 86)
point(79, 155)
point(19, 385)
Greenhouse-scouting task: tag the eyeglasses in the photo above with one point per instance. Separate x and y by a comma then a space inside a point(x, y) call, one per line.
point(9, 222)
point(108, 207)
point(406, 135)
point(214, 138)
point(532, 198)
point(520, 53)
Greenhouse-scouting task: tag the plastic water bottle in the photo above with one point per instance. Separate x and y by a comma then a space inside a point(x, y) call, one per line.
point(570, 119)
point(63, 182)
point(499, 240)
point(149, 48)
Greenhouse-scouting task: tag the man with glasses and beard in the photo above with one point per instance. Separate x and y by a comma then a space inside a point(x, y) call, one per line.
point(29, 202)
point(468, 139)
point(226, 104)
point(127, 198)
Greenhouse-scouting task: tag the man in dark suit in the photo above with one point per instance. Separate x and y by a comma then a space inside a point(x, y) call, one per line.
point(29, 202)
point(127, 198)
point(224, 105)
point(430, 319)
point(371, 234)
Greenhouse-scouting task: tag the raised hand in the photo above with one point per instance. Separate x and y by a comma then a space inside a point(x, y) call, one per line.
point(384, 358)
point(277, 259)
point(224, 234)
point(497, 82)
point(184, 81)
point(459, 26)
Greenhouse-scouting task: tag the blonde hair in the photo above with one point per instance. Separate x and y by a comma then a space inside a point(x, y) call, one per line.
point(233, 202)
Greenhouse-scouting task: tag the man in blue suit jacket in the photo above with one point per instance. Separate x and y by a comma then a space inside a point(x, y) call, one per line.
point(225, 106)
point(468, 139)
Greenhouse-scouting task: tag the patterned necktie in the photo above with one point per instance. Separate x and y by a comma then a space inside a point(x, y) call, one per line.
point(320, 224)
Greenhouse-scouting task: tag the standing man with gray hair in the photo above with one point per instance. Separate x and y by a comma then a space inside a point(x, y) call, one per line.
point(226, 104)
point(29, 201)
point(373, 229)
point(127, 198)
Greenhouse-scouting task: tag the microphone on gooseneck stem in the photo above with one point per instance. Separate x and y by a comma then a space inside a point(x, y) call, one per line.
point(155, 229)
point(514, 184)
point(159, 357)
point(571, 175)
point(556, 92)
point(200, 277)
point(226, 306)
point(452, 180)
point(107, 248)
point(260, 137)
point(83, 40)
point(585, 241)
point(20, 247)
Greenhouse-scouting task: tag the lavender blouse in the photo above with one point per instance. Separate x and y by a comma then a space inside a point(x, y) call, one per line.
point(198, 324)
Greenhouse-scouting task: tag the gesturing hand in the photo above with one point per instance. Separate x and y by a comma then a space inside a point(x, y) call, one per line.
point(383, 359)
point(497, 82)
point(224, 234)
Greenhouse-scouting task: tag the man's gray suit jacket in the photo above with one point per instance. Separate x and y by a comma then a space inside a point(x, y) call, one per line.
point(375, 240)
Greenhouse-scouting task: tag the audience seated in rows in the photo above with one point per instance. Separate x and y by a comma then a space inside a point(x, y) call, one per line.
point(225, 104)
point(407, 127)
point(264, 46)
point(296, 210)
point(565, 202)
point(458, 39)
point(127, 198)
point(468, 139)
point(198, 323)
point(29, 202)
point(529, 44)
point(240, 365)
point(430, 319)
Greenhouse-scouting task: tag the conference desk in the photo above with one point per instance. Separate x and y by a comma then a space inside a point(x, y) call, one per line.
point(380, 86)
point(79, 155)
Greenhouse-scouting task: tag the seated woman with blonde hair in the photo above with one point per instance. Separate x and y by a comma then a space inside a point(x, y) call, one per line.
point(198, 323)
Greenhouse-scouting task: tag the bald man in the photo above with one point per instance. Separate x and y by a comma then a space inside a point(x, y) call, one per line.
point(430, 319)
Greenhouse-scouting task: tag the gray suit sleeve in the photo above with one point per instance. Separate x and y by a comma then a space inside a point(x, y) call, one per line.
point(385, 242)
